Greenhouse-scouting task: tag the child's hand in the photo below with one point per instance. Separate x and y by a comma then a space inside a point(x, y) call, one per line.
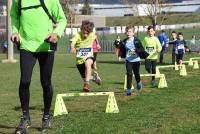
point(187, 50)
point(98, 47)
point(73, 50)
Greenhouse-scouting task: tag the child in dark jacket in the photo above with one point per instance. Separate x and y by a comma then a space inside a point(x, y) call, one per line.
point(131, 49)
point(180, 48)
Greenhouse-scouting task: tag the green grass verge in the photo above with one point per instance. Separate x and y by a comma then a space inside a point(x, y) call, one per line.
point(144, 20)
point(173, 110)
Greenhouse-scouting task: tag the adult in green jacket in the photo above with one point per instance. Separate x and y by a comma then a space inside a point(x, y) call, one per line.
point(31, 26)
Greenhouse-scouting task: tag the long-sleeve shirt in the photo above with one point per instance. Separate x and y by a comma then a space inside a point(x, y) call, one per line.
point(152, 46)
point(34, 25)
point(163, 39)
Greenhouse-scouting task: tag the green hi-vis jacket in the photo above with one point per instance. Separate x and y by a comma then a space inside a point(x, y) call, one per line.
point(35, 24)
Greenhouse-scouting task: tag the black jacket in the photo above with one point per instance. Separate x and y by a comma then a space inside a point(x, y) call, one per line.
point(139, 49)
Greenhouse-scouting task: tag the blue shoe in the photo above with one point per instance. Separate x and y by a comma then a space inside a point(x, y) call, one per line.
point(139, 86)
point(46, 123)
point(129, 92)
point(153, 83)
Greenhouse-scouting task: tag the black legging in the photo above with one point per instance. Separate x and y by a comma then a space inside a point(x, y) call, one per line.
point(150, 66)
point(27, 62)
point(135, 68)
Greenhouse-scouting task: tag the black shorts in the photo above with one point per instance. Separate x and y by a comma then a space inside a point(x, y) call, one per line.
point(179, 57)
point(81, 68)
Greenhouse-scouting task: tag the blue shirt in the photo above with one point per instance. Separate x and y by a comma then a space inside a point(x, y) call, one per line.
point(131, 55)
point(163, 39)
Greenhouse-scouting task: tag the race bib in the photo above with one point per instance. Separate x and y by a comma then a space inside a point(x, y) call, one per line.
point(130, 53)
point(180, 46)
point(150, 49)
point(84, 53)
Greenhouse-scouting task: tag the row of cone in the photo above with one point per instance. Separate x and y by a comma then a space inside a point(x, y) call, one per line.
point(60, 108)
point(162, 82)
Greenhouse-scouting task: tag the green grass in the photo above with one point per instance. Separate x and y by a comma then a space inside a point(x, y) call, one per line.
point(172, 110)
point(144, 20)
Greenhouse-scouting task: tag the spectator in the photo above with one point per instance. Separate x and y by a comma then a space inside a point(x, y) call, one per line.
point(163, 41)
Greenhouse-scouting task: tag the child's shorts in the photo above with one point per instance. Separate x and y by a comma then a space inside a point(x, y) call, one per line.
point(179, 57)
point(81, 68)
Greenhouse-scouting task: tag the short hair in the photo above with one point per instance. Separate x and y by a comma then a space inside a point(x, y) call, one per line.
point(180, 33)
point(87, 26)
point(130, 27)
point(173, 31)
point(150, 27)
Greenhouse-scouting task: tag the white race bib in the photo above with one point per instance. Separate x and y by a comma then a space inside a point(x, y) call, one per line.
point(84, 53)
point(150, 49)
point(180, 46)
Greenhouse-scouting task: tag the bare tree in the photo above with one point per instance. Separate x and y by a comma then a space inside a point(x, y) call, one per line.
point(67, 6)
point(152, 8)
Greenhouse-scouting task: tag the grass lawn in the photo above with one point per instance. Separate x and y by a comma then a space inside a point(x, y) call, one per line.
point(172, 110)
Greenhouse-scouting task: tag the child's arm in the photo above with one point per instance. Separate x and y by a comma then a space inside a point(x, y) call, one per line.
point(159, 47)
point(72, 48)
point(186, 47)
point(98, 45)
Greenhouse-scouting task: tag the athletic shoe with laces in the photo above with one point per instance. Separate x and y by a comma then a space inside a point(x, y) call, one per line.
point(46, 123)
point(96, 78)
point(139, 86)
point(153, 83)
point(24, 123)
point(86, 87)
point(129, 92)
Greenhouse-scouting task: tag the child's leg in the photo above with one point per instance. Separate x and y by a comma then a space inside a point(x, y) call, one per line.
point(153, 63)
point(148, 65)
point(94, 61)
point(88, 69)
point(181, 59)
point(177, 59)
point(136, 71)
point(81, 69)
point(129, 74)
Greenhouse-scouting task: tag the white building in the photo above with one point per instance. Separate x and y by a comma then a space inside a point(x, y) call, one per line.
point(138, 9)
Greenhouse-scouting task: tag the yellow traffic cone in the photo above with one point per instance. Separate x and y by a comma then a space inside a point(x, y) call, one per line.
point(112, 104)
point(196, 65)
point(162, 82)
point(157, 72)
point(190, 62)
point(176, 66)
point(60, 108)
point(125, 83)
point(183, 71)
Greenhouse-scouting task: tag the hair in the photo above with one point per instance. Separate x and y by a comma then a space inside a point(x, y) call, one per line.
point(87, 26)
point(173, 31)
point(150, 27)
point(130, 27)
point(180, 33)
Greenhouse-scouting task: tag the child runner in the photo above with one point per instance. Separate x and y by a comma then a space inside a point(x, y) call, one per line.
point(131, 50)
point(95, 76)
point(173, 43)
point(180, 48)
point(81, 45)
point(153, 47)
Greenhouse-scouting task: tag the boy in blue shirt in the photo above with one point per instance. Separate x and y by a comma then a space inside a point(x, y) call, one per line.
point(132, 51)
